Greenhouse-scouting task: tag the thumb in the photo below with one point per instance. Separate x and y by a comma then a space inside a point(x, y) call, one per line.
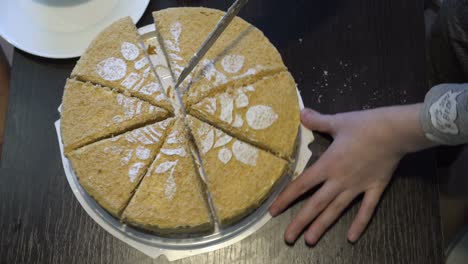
point(313, 120)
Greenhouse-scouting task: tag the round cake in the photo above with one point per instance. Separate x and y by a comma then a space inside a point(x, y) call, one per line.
point(177, 164)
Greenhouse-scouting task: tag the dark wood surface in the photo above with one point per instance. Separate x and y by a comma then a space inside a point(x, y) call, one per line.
point(345, 55)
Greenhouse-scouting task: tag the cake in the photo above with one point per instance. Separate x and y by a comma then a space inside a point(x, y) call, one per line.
point(239, 176)
point(91, 112)
point(241, 55)
point(260, 113)
point(167, 171)
point(109, 170)
point(115, 58)
point(171, 197)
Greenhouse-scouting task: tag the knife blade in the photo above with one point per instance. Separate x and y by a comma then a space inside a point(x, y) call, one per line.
point(211, 39)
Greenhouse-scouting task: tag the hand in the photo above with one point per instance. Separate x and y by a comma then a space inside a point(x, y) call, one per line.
point(366, 149)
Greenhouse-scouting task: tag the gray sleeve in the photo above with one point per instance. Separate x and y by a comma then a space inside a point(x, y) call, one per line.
point(444, 116)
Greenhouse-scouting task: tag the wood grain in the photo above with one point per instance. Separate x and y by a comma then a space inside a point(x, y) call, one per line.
point(344, 55)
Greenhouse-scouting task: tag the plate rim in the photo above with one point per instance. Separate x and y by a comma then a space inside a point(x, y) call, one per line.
point(47, 54)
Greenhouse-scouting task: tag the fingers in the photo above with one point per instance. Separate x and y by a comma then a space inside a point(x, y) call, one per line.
point(370, 201)
point(328, 217)
point(307, 180)
point(315, 121)
point(309, 211)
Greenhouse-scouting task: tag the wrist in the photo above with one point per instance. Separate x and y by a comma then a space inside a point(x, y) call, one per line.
point(404, 123)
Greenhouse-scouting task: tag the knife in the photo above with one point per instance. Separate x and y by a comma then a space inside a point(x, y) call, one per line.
point(214, 35)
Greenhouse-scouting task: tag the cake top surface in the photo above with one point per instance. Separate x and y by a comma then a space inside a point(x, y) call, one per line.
point(156, 171)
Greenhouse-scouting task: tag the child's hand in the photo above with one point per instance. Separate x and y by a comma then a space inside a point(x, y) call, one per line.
point(366, 149)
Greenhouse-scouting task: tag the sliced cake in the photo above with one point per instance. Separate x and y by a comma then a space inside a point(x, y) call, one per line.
point(91, 112)
point(116, 59)
point(161, 66)
point(241, 55)
point(110, 170)
point(171, 199)
point(239, 176)
point(265, 113)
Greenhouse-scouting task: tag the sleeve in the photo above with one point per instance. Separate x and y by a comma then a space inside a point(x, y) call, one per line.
point(444, 116)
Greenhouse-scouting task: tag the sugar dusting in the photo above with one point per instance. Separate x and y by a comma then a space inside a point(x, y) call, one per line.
point(130, 80)
point(112, 69)
point(242, 151)
point(260, 117)
point(135, 170)
point(245, 153)
point(174, 152)
point(170, 186)
point(129, 51)
point(242, 100)
point(141, 63)
point(227, 107)
point(207, 140)
point(222, 139)
point(165, 166)
point(238, 121)
point(127, 157)
point(224, 155)
point(142, 153)
point(232, 63)
point(151, 88)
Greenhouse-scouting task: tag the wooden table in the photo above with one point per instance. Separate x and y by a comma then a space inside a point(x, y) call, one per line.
point(344, 55)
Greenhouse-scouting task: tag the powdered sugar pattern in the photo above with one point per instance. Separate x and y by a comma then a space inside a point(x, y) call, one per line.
point(232, 63)
point(242, 100)
point(261, 117)
point(129, 51)
point(135, 170)
point(221, 139)
point(126, 157)
point(224, 155)
point(216, 78)
point(139, 64)
point(173, 138)
point(227, 106)
point(238, 121)
point(207, 140)
point(245, 153)
point(112, 69)
point(170, 186)
point(142, 153)
point(176, 29)
point(146, 136)
point(165, 166)
point(130, 80)
point(242, 152)
point(210, 107)
point(177, 152)
point(151, 88)
point(131, 107)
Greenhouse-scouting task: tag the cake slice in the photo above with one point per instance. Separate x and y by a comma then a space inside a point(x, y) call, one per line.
point(241, 55)
point(110, 170)
point(171, 199)
point(116, 59)
point(265, 114)
point(91, 112)
point(239, 176)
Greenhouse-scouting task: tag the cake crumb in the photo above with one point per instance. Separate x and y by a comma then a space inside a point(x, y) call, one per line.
point(151, 50)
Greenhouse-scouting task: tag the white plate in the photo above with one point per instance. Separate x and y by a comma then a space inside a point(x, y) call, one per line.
point(61, 28)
